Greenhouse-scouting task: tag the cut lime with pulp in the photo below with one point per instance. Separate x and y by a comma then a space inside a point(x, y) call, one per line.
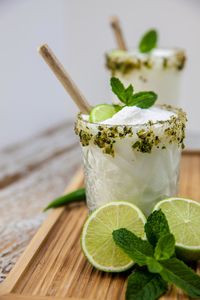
point(183, 216)
point(103, 112)
point(97, 241)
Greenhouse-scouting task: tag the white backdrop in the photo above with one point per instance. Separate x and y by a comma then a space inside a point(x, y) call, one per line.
point(31, 99)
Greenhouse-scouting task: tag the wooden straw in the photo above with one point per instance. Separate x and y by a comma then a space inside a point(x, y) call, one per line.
point(64, 78)
point(115, 24)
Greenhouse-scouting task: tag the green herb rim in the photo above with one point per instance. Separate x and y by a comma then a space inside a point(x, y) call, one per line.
point(143, 137)
point(128, 62)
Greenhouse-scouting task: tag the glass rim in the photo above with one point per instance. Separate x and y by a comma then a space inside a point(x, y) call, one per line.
point(126, 62)
point(180, 115)
point(143, 138)
point(172, 51)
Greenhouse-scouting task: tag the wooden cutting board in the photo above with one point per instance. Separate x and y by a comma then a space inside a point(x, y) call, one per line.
point(53, 266)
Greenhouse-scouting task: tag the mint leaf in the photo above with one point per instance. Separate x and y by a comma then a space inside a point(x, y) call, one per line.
point(165, 247)
point(175, 271)
point(148, 41)
point(156, 226)
point(119, 90)
point(153, 265)
point(144, 285)
point(117, 107)
point(136, 248)
point(142, 99)
point(127, 96)
point(129, 92)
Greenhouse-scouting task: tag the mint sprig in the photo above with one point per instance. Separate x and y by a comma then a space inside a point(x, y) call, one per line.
point(123, 94)
point(145, 285)
point(157, 253)
point(148, 41)
point(142, 99)
point(153, 265)
point(156, 227)
point(127, 96)
point(165, 247)
point(177, 272)
point(136, 248)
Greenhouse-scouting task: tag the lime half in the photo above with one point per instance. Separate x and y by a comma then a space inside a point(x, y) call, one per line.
point(183, 216)
point(103, 112)
point(97, 241)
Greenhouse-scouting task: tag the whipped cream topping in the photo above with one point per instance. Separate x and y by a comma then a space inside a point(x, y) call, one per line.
point(132, 115)
point(157, 53)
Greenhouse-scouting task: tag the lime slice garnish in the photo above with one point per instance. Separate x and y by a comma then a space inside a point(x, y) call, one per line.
point(183, 216)
point(97, 242)
point(103, 112)
point(117, 53)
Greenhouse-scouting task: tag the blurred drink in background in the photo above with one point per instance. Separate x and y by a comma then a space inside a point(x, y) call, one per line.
point(159, 70)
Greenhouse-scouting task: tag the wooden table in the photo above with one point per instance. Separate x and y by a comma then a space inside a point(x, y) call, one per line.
point(32, 174)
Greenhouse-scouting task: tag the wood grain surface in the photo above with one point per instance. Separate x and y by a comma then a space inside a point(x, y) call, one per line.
point(32, 173)
point(53, 266)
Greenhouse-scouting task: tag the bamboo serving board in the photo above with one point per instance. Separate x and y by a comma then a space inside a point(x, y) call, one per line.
point(53, 266)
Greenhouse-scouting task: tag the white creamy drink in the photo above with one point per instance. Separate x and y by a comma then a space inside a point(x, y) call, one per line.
point(159, 70)
point(133, 156)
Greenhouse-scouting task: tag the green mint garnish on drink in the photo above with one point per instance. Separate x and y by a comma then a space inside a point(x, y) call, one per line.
point(123, 94)
point(127, 96)
point(161, 260)
point(143, 99)
point(148, 41)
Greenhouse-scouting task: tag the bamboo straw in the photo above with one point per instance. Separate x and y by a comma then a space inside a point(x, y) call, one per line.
point(115, 24)
point(64, 78)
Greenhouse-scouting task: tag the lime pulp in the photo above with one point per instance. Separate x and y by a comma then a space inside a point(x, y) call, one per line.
point(103, 112)
point(183, 216)
point(97, 241)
